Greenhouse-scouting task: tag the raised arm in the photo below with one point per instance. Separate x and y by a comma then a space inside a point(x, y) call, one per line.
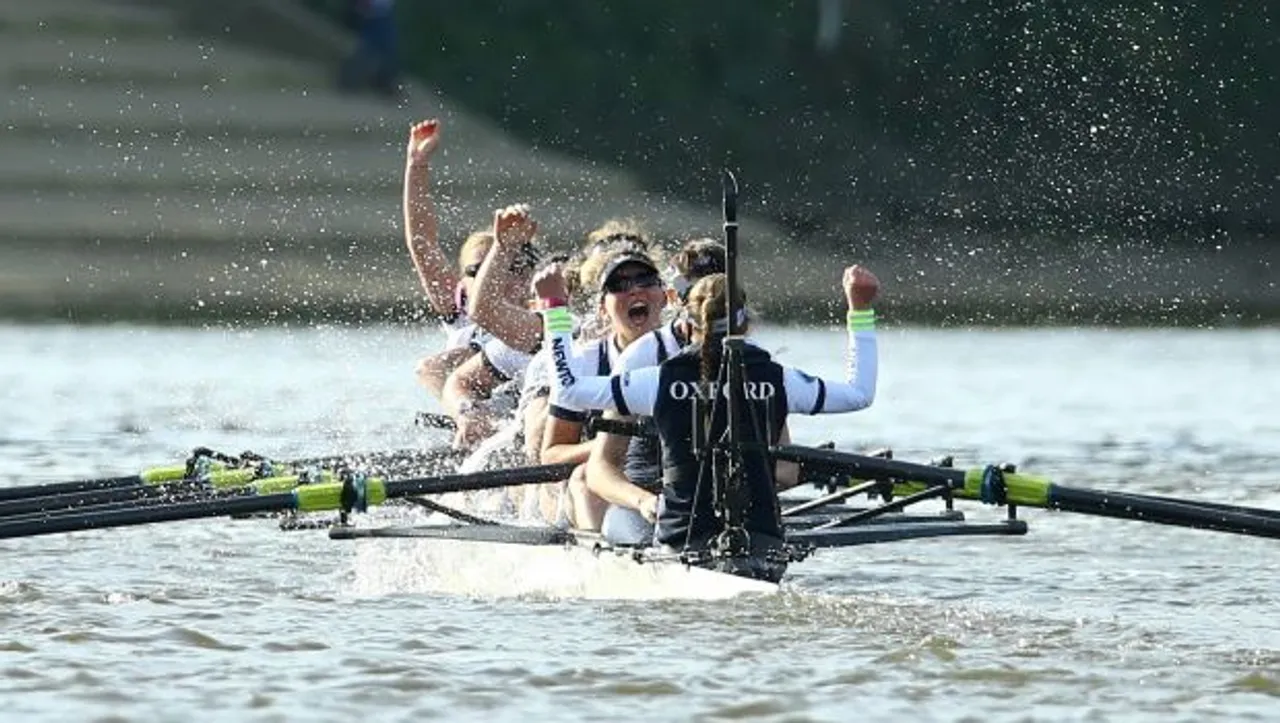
point(572, 384)
point(421, 230)
point(492, 307)
point(811, 395)
point(464, 393)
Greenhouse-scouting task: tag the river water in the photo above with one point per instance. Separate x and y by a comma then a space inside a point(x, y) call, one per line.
point(1083, 619)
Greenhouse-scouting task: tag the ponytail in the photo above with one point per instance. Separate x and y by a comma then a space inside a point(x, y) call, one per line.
point(707, 308)
point(711, 347)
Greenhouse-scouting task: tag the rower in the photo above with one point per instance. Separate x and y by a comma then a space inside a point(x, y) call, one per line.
point(447, 290)
point(554, 435)
point(631, 299)
point(684, 510)
point(621, 467)
point(563, 504)
point(499, 305)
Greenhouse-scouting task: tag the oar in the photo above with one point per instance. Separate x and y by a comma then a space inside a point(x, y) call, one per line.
point(994, 486)
point(166, 495)
point(1115, 497)
point(353, 493)
point(239, 481)
point(156, 475)
point(228, 479)
point(221, 471)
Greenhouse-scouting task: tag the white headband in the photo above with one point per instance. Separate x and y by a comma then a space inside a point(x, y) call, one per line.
point(721, 326)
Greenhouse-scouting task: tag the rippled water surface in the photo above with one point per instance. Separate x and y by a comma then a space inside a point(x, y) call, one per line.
point(1083, 619)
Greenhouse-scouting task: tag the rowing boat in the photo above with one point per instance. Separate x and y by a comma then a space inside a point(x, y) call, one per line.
point(481, 555)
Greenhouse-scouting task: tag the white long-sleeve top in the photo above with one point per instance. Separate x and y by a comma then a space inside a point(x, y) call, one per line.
point(573, 380)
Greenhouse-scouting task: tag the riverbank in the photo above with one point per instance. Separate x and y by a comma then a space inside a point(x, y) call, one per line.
point(186, 163)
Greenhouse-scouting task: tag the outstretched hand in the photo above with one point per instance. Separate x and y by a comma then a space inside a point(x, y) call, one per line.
point(549, 283)
point(424, 137)
point(513, 226)
point(860, 287)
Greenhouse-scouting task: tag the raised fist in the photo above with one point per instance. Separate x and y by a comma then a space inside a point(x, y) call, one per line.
point(423, 139)
point(513, 226)
point(549, 283)
point(860, 287)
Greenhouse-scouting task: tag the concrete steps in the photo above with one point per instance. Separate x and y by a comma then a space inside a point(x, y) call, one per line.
point(164, 152)
point(83, 18)
point(146, 62)
point(83, 158)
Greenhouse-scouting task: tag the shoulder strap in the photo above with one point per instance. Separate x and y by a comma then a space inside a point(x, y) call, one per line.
point(603, 367)
point(662, 346)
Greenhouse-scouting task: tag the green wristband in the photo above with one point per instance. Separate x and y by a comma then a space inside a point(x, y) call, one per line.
point(558, 320)
point(861, 320)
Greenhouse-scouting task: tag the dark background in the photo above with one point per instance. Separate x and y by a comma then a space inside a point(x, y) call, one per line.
point(1155, 121)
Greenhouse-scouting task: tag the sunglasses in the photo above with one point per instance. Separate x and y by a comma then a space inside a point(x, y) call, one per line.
point(623, 284)
point(470, 270)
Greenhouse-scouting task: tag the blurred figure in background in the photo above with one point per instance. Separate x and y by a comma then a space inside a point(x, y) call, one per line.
point(375, 63)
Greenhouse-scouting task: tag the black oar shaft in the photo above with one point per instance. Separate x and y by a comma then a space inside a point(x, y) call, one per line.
point(1216, 506)
point(93, 498)
point(871, 468)
point(479, 480)
point(192, 510)
point(126, 504)
point(1165, 512)
point(61, 488)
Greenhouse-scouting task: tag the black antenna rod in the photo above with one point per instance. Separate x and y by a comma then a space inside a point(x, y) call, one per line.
point(732, 311)
point(732, 504)
point(731, 245)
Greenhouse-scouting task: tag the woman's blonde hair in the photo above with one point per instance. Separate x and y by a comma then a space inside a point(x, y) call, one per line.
point(476, 240)
point(618, 232)
point(707, 305)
